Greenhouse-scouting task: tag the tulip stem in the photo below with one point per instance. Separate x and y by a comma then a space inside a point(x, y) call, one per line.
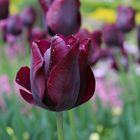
point(72, 124)
point(59, 121)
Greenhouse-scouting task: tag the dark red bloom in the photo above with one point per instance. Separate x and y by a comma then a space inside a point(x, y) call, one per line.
point(63, 16)
point(125, 18)
point(4, 9)
point(14, 25)
point(112, 36)
point(59, 78)
point(35, 34)
point(28, 16)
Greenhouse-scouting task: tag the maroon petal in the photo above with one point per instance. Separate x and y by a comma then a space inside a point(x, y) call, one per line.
point(59, 49)
point(71, 40)
point(64, 81)
point(83, 62)
point(37, 73)
point(90, 88)
point(43, 45)
point(27, 97)
point(23, 78)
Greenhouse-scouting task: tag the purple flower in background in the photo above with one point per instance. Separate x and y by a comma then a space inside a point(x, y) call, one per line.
point(63, 16)
point(95, 51)
point(14, 25)
point(112, 36)
point(28, 16)
point(4, 9)
point(60, 77)
point(96, 38)
point(125, 18)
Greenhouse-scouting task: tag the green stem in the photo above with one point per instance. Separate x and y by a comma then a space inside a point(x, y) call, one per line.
point(71, 119)
point(59, 121)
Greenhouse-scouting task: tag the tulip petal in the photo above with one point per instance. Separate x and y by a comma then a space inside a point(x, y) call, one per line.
point(89, 88)
point(23, 78)
point(43, 45)
point(64, 81)
point(59, 49)
point(37, 73)
point(27, 97)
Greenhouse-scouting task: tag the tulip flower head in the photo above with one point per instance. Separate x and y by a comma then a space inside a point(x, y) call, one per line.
point(126, 18)
point(112, 36)
point(59, 78)
point(14, 25)
point(63, 16)
point(4, 9)
point(28, 16)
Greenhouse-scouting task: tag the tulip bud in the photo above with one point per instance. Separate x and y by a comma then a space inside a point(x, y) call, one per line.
point(4, 9)
point(14, 25)
point(60, 77)
point(112, 36)
point(63, 16)
point(125, 18)
point(28, 16)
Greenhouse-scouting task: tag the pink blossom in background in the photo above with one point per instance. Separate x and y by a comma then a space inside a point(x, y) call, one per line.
point(108, 92)
point(5, 85)
point(5, 88)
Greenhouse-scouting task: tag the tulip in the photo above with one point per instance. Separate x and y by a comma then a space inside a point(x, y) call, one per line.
point(63, 16)
point(59, 78)
point(4, 9)
point(112, 36)
point(125, 18)
point(35, 34)
point(14, 25)
point(28, 16)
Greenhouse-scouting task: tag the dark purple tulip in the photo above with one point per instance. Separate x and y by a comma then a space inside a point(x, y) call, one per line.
point(28, 16)
point(112, 36)
point(138, 37)
point(64, 17)
point(59, 78)
point(4, 9)
point(96, 38)
point(35, 34)
point(14, 25)
point(125, 18)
